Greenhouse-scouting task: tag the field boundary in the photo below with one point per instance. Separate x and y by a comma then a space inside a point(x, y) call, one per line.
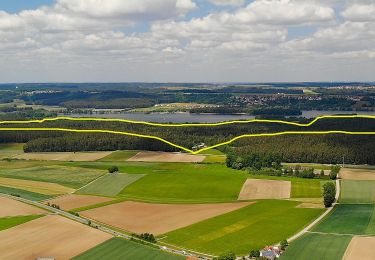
point(188, 125)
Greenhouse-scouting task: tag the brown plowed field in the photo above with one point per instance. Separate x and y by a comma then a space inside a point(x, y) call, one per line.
point(73, 201)
point(360, 248)
point(74, 157)
point(357, 174)
point(158, 218)
point(13, 208)
point(51, 236)
point(265, 189)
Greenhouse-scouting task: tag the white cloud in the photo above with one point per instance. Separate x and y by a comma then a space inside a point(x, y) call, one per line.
point(227, 2)
point(95, 38)
point(134, 9)
point(360, 12)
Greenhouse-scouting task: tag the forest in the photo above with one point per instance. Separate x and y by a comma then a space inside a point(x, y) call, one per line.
point(331, 148)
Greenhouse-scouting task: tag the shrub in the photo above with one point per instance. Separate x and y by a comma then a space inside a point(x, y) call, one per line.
point(227, 256)
point(146, 237)
point(254, 253)
point(113, 169)
point(284, 244)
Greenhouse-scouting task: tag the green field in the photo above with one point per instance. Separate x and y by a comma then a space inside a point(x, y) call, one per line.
point(6, 223)
point(191, 182)
point(24, 194)
point(68, 176)
point(214, 159)
point(213, 152)
point(119, 156)
point(357, 192)
point(349, 219)
point(121, 249)
point(264, 223)
point(317, 246)
point(185, 182)
point(110, 184)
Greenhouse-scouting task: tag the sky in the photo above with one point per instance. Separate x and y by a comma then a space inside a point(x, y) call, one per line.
point(187, 40)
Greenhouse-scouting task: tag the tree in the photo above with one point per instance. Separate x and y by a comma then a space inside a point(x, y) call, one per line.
point(322, 174)
point(334, 172)
point(113, 169)
point(254, 253)
point(227, 256)
point(329, 192)
point(284, 244)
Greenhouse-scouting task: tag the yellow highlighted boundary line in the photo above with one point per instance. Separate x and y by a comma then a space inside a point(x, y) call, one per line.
point(189, 125)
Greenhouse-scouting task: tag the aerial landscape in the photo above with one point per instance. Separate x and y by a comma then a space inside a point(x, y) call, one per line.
point(187, 129)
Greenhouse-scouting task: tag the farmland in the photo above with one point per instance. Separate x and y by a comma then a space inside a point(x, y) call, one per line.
point(118, 248)
point(45, 188)
point(67, 176)
point(157, 219)
point(10, 222)
point(34, 237)
point(236, 230)
point(73, 201)
point(66, 156)
point(354, 191)
point(110, 184)
point(317, 246)
point(349, 219)
point(24, 193)
point(186, 213)
point(12, 208)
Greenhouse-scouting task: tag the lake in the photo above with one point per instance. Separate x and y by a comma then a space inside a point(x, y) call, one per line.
point(200, 118)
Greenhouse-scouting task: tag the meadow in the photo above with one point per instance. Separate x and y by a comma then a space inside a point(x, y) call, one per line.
point(110, 184)
point(177, 182)
point(264, 223)
point(357, 192)
point(118, 248)
point(9, 222)
point(317, 246)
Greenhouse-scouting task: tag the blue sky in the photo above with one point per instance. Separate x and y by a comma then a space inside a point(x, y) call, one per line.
point(14, 6)
point(187, 40)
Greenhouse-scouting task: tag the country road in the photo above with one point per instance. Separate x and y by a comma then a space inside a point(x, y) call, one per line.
point(113, 232)
point(316, 221)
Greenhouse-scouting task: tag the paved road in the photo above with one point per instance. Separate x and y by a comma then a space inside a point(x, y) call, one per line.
point(316, 221)
point(113, 232)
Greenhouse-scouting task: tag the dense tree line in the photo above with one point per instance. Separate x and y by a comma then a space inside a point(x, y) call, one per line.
point(296, 148)
point(319, 149)
point(94, 142)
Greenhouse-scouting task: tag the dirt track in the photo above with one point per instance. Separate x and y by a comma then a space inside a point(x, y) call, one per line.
point(74, 157)
point(73, 201)
point(165, 157)
point(51, 236)
point(360, 248)
point(157, 218)
point(265, 189)
point(357, 174)
point(12, 208)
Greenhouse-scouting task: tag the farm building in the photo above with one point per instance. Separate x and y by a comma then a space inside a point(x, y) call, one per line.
point(270, 252)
